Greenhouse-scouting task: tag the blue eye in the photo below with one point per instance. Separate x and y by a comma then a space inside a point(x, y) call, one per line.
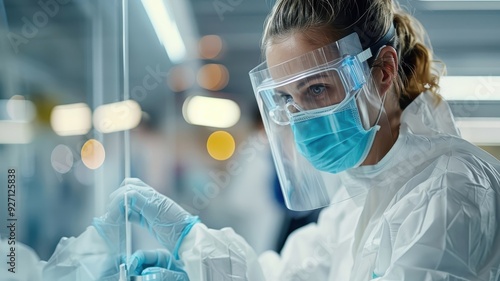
point(317, 89)
point(286, 98)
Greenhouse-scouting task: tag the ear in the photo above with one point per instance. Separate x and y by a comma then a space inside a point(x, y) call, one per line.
point(385, 69)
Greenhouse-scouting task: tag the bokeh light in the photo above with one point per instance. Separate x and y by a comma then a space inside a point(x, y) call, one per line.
point(180, 78)
point(213, 77)
point(210, 46)
point(93, 154)
point(221, 145)
point(16, 132)
point(211, 112)
point(118, 116)
point(20, 109)
point(71, 119)
point(61, 159)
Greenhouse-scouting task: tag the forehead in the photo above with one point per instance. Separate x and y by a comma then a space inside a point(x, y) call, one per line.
point(299, 52)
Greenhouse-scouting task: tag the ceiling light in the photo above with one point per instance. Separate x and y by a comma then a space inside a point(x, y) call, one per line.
point(211, 112)
point(470, 88)
point(166, 29)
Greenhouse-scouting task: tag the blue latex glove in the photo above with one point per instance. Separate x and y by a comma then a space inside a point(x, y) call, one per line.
point(164, 219)
point(156, 265)
point(157, 273)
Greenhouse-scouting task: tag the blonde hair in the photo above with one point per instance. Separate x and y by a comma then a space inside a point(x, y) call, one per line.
point(371, 19)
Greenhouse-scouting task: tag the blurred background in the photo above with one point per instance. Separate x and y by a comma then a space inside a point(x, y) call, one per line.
point(82, 106)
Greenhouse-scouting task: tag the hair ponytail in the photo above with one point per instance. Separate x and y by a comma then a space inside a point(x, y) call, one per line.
point(416, 65)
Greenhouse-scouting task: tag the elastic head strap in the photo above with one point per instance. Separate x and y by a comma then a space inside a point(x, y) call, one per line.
point(387, 39)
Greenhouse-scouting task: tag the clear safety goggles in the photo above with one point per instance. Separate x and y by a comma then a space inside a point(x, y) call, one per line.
point(307, 94)
point(318, 80)
point(316, 83)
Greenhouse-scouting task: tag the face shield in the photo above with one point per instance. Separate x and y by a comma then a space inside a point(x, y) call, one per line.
point(321, 113)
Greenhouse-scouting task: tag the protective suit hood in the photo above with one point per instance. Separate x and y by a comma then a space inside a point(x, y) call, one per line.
point(428, 115)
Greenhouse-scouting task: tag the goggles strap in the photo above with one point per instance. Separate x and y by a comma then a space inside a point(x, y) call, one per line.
point(387, 39)
point(365, 55)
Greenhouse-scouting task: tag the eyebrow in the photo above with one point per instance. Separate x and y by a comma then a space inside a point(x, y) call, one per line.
point(312, 77)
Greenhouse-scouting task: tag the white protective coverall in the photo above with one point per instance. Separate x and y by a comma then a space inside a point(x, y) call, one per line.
point(82, 258)
point(431, 212)
point(25, 265)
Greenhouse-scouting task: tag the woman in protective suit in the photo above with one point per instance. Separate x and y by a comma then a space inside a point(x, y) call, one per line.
point(349, 99)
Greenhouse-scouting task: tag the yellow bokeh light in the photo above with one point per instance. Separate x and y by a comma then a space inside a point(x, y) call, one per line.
point(93, 154)
point(221, 145)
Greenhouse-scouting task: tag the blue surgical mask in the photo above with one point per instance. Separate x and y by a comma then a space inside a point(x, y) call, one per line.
point(333, 140)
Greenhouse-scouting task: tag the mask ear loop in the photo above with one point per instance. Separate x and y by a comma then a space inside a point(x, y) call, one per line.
point(380, 111)
point(366, 56)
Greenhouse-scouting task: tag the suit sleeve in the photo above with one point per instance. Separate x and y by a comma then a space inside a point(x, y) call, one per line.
point(316, 251)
